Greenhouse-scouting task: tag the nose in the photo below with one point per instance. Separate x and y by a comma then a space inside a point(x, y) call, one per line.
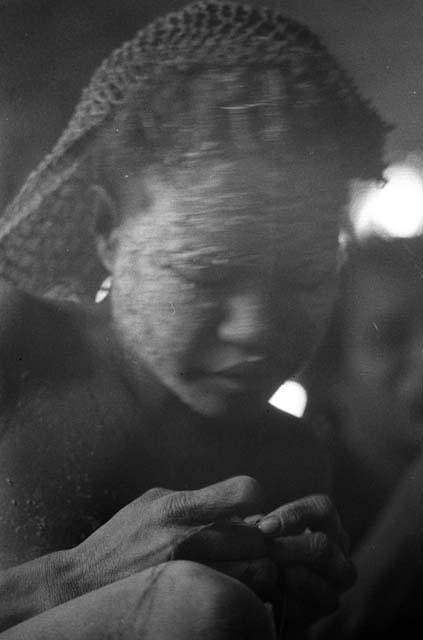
point(244, 319)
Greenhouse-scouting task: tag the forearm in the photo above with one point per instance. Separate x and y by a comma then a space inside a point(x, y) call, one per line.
point(33, 587)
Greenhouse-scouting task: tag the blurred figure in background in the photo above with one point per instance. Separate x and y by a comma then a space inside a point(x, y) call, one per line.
point(368, 397)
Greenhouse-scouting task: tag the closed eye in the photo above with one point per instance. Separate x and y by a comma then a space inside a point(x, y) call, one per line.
point(304, 283)
point(316, 282)
point(200, 275)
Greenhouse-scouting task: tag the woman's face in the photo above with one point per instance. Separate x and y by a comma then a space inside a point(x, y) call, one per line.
point(223, 286)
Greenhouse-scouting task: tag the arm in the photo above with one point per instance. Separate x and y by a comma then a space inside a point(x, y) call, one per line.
point(157, 527)
point(29, 589)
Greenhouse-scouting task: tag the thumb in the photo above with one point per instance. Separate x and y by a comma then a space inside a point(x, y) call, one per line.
point(238, 496)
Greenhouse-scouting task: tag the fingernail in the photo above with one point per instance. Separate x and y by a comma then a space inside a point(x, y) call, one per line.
point(269, 525)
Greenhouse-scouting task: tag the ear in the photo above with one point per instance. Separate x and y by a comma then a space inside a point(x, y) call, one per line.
point(105, 216)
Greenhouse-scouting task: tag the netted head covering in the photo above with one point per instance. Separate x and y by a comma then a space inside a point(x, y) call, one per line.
point(46, 233)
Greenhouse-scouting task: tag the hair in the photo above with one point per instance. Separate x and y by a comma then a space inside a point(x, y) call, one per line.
point(216, 77)
point(286, 98)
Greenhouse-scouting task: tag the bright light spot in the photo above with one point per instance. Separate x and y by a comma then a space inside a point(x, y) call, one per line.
point(291, 397)
point(103, 292)
point(395, 209)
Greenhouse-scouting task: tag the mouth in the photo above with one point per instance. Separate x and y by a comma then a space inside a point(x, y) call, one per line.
point(242, 371)
point(240, 377)
point(233, 376)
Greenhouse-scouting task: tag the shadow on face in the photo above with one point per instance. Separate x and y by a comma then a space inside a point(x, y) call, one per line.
point(223, 284)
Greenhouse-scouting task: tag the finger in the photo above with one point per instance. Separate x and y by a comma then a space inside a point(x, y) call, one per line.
point(260, 575)
point(314, 512)
point(341, 570)
point(222, 542)
point(254, 520)
point(238, 496)
point(312, 549)
point(316, 551)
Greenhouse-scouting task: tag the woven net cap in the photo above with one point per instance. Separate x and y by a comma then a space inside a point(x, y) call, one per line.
point(46, 233)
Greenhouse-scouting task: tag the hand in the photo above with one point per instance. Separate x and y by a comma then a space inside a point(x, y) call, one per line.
point(203, 526)
point(310, 547)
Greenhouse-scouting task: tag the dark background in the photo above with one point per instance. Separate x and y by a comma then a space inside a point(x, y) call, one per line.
point(49, 48)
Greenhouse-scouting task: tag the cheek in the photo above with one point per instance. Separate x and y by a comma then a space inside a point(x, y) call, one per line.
point(371, 368)
point(191, 327)
point(314, 311)
point(167, 317)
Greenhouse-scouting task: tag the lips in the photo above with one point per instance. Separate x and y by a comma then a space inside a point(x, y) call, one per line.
point(248, 370)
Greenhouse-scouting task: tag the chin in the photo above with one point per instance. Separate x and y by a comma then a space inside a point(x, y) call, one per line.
point(218, 407)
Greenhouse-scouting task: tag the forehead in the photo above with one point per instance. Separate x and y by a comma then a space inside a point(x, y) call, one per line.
point(240, 208)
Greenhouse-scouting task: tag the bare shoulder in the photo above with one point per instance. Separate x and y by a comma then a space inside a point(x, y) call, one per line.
point(35, 335)
point(61, 440)
point(26, 446)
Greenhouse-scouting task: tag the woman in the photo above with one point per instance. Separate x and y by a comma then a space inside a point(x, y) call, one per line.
point(204, 171)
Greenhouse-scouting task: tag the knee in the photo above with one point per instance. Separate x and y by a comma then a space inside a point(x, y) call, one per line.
point(200, 602)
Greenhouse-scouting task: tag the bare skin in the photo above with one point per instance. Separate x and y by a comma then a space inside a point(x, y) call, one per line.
point(165, 386)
